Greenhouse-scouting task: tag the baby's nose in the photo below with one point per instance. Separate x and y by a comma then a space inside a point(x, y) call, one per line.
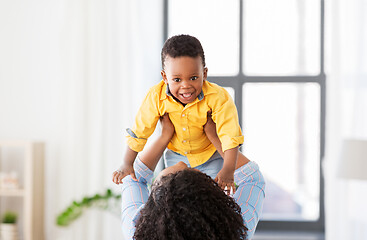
point(185, 84)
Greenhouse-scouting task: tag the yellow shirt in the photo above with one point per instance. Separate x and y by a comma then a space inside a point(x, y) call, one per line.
point(189, 138)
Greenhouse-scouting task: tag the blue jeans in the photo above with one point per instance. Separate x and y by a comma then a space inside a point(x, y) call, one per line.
point(210, 167)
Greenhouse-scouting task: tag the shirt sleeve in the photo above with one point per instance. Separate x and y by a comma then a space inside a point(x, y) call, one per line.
point(145, 122)
point(224, 114)
point(250, 195)
point(134, 194)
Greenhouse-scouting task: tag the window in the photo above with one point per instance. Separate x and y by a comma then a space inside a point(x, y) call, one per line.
point(269, 56)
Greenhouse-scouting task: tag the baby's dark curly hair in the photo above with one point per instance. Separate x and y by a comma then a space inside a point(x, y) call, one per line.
point(182, 45)
point(189, 205)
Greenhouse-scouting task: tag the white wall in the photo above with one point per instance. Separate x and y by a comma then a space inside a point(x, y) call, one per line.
point(346, 115)
point(31, 69)
point(72, 74)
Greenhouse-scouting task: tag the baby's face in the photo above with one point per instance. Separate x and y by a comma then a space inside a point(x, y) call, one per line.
point(184, 76)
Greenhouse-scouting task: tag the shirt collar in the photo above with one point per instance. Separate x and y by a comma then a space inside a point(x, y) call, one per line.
point(168, 92)
point(164, 91)
point(201, 95)
point(208, 88)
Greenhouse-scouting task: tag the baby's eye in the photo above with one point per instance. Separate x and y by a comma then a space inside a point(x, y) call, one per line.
point(176, 79)
point(194, 78)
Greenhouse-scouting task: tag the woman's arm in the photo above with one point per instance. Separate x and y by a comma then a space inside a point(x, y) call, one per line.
point(250, 195)
point(211, 133)
point(151, 156)
point(134, 194)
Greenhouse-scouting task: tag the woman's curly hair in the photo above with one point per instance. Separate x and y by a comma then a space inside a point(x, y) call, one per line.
point(189, 205)
point(182, 45)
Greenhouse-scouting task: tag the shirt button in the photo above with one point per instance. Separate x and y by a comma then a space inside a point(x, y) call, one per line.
point(184, 141)
point(184, 129)
point(183, 115)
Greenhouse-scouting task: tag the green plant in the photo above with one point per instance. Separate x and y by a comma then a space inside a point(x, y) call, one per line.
point(9, 217)
point(109, 201)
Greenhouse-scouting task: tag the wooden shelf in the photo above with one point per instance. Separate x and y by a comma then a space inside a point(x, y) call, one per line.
point(26, 157)
point(12, 192)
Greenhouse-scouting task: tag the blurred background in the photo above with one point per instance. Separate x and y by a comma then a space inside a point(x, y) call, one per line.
point(73, 74)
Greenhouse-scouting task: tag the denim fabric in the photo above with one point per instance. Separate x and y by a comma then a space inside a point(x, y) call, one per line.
point(210, 167)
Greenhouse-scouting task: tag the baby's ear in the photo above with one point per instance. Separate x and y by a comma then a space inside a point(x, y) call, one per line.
point(205, 73)
point(164, 76)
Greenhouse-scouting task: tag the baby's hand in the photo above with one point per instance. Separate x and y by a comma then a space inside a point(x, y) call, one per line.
point(225, 180)
point(122, 172)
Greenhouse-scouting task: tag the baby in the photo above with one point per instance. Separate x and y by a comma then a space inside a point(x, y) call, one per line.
point(187, 97)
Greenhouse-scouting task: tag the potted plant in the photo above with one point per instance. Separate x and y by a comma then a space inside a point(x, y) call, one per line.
point(109, 201)
point(8, 227)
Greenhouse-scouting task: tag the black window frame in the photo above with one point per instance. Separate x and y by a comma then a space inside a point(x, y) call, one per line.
point(236, 82)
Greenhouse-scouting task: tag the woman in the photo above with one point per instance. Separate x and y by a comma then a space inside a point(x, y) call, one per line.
point(187, 204)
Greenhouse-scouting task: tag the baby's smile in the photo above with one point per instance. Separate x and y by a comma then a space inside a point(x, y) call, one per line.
point(187, 96)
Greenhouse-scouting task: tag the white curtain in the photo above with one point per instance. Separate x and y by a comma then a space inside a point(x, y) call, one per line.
point(72, 74)
point(346, 42)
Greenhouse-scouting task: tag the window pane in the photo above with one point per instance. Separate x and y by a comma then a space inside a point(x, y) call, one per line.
point(282, 133)
point(230, 91)
point(281, 37)
point(215, 23)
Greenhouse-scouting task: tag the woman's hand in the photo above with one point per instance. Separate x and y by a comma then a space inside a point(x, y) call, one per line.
point(210, 127)
point(167, 127)
point(210, 130)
